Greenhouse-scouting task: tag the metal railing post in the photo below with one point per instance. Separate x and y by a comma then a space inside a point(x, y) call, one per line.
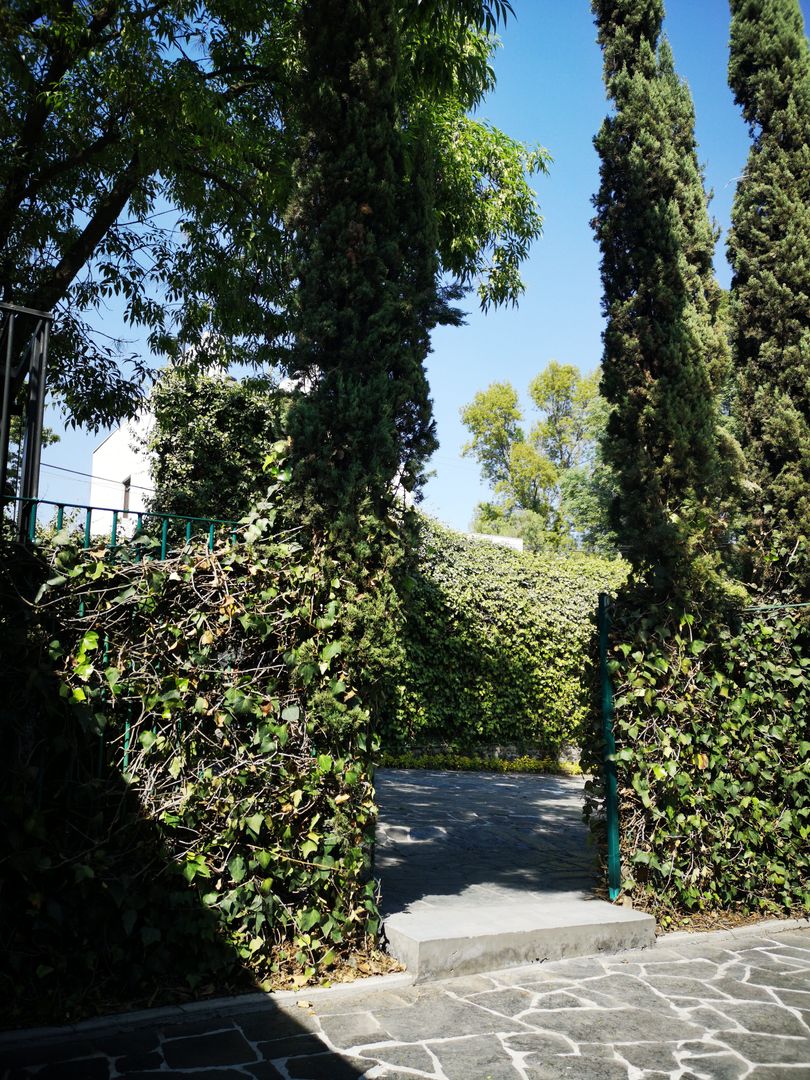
point(5, 409)
point(31, 524)
point(609, 744)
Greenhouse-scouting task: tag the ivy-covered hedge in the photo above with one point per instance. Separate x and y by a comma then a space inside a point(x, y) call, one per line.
point(186, 792)
point(712, 725)
point(497, 645)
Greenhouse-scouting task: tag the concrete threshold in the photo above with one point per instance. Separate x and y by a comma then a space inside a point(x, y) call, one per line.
point(464, 940)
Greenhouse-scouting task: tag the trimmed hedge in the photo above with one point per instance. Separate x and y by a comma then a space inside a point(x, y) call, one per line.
point(497, 645)
point(712, 725)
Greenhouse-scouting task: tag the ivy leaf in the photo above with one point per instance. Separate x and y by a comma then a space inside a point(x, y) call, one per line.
point(236, 868)
point(331, 650)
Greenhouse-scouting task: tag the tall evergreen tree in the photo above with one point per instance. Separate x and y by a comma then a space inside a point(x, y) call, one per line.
point(769, 249)
point(367, 266)
point(665, 353)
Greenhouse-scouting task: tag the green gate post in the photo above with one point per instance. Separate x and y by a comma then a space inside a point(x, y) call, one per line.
point(611, 782)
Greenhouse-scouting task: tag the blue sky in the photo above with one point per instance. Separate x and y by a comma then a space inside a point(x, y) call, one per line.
point(549, 93)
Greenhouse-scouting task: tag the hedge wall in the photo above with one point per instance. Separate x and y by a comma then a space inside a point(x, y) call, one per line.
point(186, 802)
point(712, 724)
point(497, 645)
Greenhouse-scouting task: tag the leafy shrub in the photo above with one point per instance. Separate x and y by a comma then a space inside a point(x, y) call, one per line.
point(712, 725)
point(190, 805)
point(496, 645)
point(208, 440)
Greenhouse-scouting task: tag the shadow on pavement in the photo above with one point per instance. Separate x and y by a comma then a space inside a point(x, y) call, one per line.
point(261, 1041)
point(489, 836)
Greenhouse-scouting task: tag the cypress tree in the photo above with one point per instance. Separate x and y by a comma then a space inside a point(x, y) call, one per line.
point(769, 249)
point(366, 244)
point(665, 353)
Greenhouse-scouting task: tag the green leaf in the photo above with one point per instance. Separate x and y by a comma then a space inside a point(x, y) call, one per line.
point(308, 919)
point(150, 935)
point(331, 650)
point(236, 868)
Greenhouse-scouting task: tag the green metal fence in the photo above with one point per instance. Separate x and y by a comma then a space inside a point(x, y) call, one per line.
point(152, 534)
point(123, 535)
point(608, 739)
point(609, 745)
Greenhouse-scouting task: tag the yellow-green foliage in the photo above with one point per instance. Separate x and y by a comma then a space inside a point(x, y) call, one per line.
point(478, 763)
point(496, 644)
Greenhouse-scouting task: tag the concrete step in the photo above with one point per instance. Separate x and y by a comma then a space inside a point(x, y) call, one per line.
point(436, 942)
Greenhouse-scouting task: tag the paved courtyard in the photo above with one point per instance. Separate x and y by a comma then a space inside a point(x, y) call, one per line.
point(480, 838)
point(728, 1006)
point(482, 871)
point(712, 1007)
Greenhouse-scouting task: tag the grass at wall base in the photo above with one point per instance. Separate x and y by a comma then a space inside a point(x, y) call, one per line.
point(484, 760)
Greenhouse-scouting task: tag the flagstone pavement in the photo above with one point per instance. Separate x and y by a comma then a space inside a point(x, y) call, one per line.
point(728, 1006)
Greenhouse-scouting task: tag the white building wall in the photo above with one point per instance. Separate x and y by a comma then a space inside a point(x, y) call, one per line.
point(514, 542)
point(116, 460)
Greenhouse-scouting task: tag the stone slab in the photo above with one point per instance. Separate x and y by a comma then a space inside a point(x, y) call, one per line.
point(464, 940)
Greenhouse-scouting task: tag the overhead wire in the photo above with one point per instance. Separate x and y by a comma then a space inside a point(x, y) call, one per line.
point(92, 476)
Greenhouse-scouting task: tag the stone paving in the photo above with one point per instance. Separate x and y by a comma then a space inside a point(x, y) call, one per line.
point(727, 1006)
point(482, 871)
point(480, 838)
point(709, 1007)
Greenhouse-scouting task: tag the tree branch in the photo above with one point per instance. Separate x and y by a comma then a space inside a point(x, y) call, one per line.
point(107, 212)
point(37, 113)
point(81, 157)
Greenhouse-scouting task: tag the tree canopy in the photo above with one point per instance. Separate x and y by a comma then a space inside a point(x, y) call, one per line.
point(549, 482)
point(147, 163)
point(118, 119)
